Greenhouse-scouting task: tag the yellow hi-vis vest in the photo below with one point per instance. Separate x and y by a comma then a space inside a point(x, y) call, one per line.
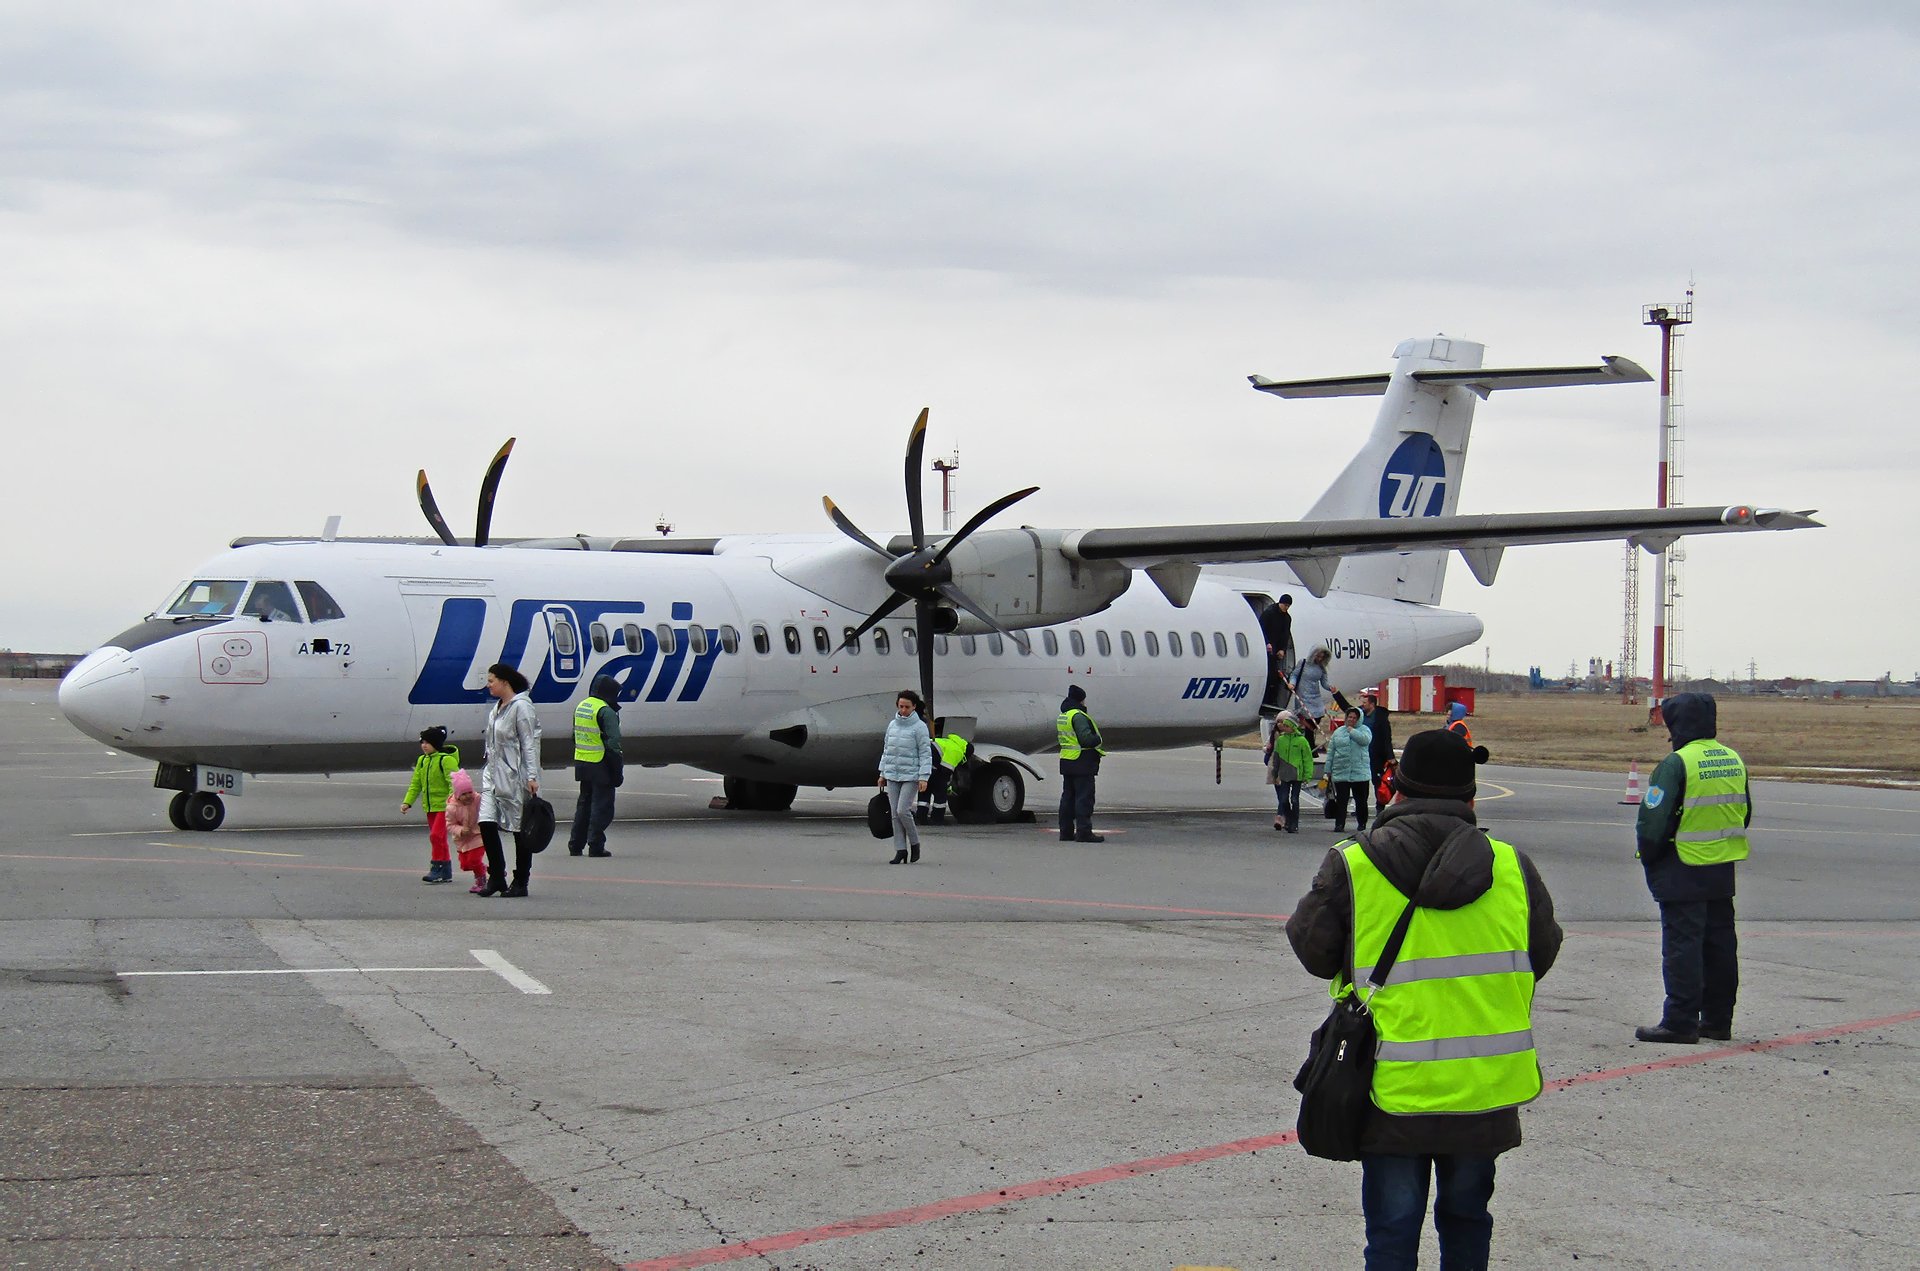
point(1069, 743)
point(1713, 813)
point(952, 748)
point(1455, 1015)
point(588, 745)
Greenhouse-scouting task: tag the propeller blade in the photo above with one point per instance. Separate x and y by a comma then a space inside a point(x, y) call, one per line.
point(980, 518)
point(916, 447)
point(923, 645)
point(432, 510)
point(851, 530)
point(489, 485)
point(960, 600)
point(893, 602)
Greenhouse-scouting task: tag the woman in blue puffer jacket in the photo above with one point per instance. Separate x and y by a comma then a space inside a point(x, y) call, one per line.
point(906, 763)
point(1350, 769)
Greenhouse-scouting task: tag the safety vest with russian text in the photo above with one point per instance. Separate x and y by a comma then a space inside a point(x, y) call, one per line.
point(1713, 813)
point(1455, 1017)
point(1069, 742)
point(588, 745)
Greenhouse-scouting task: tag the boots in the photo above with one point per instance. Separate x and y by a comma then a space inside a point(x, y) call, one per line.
point(438, 872)
point(913, 854)
point(899, 857)
point(479, 887)
point(496, 886)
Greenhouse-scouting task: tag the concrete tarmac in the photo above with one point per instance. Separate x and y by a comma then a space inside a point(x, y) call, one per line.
point(746, 1038)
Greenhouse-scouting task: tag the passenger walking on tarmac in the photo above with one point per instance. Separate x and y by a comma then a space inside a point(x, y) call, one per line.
point(431, 774)
point(1456, 1056)
point(1379, 721)
point(1080, 751)
point(906, 762)
point(1348, 770)
point(598, 766)
point(1691, 831)
point(511, 775)
point(1312, 687)
point(1289, 762)
point(463, 828)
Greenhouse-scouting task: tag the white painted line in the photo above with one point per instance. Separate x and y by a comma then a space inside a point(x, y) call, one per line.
point(317, 970)
point(507, 971)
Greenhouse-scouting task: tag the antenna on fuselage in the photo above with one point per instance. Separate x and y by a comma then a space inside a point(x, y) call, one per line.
point(331, 530)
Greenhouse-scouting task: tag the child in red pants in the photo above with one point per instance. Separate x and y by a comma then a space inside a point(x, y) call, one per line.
point(432, 779)
point(463, 823)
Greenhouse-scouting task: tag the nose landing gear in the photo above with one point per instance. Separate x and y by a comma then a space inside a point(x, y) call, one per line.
point(196, 810)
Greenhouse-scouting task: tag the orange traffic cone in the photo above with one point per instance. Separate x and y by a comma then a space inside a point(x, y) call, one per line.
point(1633, 783)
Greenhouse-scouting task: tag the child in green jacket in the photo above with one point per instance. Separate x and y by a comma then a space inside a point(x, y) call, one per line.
point(432, 775)
point(1289, 762)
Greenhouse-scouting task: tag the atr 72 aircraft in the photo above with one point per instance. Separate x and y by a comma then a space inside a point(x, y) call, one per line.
point(773, 659)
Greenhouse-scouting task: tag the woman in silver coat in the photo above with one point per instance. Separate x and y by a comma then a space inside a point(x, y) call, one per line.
point(511, 774)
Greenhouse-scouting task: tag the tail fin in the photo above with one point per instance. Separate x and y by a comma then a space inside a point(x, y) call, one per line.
point(1413, 460)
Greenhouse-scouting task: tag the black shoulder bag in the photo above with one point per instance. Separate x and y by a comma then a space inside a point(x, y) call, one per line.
point(1336, 1082)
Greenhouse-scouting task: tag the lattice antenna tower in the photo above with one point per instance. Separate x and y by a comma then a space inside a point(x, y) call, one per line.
point(1667, 663)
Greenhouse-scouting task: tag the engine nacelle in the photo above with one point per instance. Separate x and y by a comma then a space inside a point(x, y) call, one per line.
point(1023, 579)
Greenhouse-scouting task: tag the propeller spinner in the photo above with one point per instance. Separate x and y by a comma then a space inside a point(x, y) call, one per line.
point(483, 519)
point(922, 576)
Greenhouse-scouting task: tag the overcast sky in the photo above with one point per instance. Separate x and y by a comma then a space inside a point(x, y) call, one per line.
point(709, 259)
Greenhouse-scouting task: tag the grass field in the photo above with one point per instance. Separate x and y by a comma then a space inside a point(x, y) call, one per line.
point(1850, 742)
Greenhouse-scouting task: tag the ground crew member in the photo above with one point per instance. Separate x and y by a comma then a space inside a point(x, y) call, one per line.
point(598, 766)
point(1457, 722)
point(1080, 752)
point(1482, 933)
point(1692, 829)
point(949, 752)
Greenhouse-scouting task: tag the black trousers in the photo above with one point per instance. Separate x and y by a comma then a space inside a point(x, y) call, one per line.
point(497, 855)
point(1699, 958)
point(592, 812)
point(1342, 792)
point(1076, 803)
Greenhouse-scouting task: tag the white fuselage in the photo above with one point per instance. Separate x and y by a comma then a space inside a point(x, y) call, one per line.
point(703, 647)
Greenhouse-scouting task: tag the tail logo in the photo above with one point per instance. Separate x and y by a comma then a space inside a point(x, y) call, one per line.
point(1414, 482)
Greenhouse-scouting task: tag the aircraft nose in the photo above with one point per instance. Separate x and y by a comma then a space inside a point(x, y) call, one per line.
point(104, 695)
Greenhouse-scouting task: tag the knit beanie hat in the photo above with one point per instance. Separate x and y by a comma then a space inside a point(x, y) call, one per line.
point(435, 736)
point(1438, 765)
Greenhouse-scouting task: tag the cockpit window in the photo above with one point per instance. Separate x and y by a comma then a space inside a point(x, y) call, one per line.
point(272, 602)
point(320, 606)
point(208, 597)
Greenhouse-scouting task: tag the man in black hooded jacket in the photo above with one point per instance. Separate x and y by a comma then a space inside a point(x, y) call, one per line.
point(1428, 846)
point(1698, 950)
point(599, 766)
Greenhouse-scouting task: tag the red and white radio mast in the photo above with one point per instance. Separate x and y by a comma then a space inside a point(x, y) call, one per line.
point(1666, 562)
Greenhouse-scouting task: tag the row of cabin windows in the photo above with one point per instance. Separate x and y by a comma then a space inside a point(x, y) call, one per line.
point(699, 638)
point(996, 644)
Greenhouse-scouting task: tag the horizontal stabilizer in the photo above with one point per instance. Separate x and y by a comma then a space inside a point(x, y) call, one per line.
point(1612, 370)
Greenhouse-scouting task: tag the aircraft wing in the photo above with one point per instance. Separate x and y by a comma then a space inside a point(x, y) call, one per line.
point(1314, 549)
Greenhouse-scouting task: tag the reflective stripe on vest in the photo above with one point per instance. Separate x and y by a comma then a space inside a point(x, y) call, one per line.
point(1455, 1015)
point(588, 745)
point(1069, 743)
point(1713, 809)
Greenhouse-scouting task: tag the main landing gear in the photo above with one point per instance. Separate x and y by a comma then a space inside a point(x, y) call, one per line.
point(196, 810)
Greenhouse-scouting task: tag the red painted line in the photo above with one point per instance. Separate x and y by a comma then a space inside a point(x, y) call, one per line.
point(1153, 1164)
point(960, 1205)
point(1723, 1052)
point(714, 884)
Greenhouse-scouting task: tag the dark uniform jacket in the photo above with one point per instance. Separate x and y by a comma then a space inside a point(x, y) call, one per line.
point(1690, 717)
point(1379, 721)
point(1436, 840)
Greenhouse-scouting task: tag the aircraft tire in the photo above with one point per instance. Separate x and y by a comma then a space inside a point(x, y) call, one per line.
point(1002, 794)
point(205, 811)
point(177, 810)
point(746, 795)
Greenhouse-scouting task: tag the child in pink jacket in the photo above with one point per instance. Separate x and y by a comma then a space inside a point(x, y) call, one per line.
point(463, 827)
